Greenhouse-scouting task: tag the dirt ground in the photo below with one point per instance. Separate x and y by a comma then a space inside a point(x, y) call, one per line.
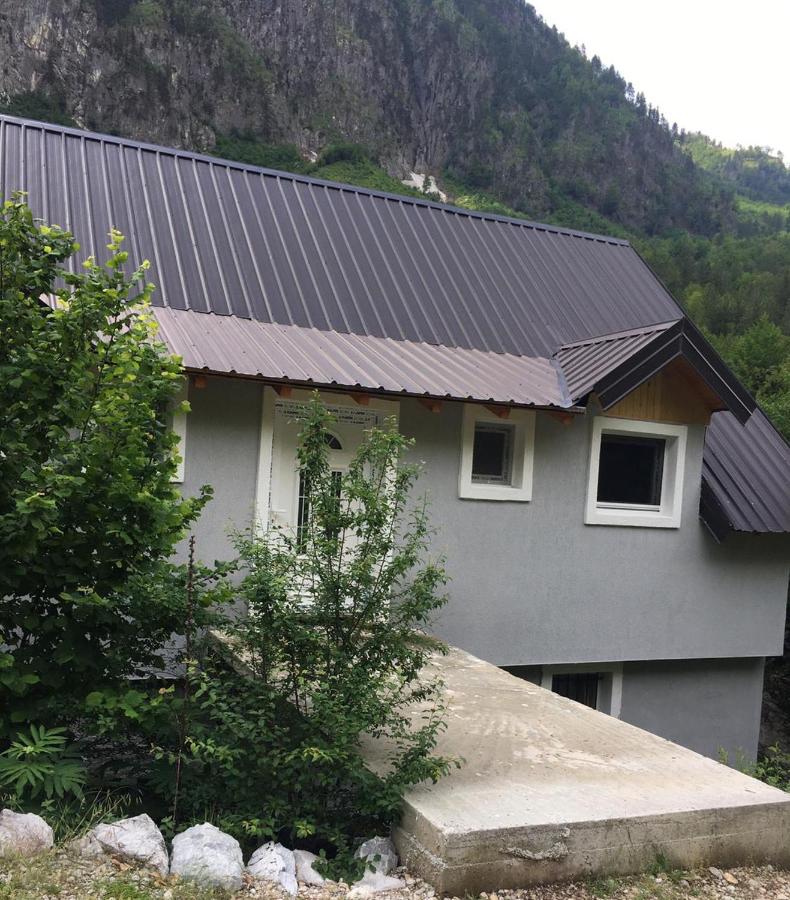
point(60, 875)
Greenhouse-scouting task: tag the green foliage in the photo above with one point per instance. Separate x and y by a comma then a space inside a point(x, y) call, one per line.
point(42, 761)
point(772, 766)
point(267, 737)
point(245, 148)
point(45, 107)
point(88, 512)
point(756, 172)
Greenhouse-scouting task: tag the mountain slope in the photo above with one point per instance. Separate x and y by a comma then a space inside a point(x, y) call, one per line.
point(483, 92)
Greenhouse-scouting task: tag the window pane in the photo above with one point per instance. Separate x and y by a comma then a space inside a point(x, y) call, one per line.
point(492, 453)
point(303, 509)
point(581, 687)
point(630, 470)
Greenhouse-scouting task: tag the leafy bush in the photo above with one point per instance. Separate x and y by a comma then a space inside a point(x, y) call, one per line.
point(268, 735)
point(42, 761)
point(352, 153)
point(88, 512)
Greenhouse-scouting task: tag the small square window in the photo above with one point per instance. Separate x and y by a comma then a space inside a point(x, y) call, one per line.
point(631, 470)
point(492, 455)
point(496, 453)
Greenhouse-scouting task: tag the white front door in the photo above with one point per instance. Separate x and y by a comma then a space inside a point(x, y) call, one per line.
point(289, 501)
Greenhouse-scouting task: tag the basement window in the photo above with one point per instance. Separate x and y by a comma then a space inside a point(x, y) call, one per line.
point(496, 453)
point(636, 473)
point(597, 685)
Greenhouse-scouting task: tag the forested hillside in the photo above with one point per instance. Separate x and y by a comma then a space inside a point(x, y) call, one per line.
point(481, 94)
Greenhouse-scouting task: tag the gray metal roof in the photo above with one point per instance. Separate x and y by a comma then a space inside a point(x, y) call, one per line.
point(614, 364)
point(228, 344)
point(747, 469)
point(585, 362)
point(287, 250)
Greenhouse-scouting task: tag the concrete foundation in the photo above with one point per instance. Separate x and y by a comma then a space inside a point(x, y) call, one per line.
point(551, 790)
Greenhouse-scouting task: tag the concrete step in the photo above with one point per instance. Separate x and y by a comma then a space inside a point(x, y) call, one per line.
point(551, 790)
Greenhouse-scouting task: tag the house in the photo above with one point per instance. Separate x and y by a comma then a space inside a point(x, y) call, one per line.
point(613, 507)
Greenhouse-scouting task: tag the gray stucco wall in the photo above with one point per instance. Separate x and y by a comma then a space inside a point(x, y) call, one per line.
point(708, 705)
point(223, 433)
point(532, 584)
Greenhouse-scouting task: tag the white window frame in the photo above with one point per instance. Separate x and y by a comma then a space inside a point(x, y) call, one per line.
point(179, 428)
point(668, 513)
point(520, 488)
point(614, 670)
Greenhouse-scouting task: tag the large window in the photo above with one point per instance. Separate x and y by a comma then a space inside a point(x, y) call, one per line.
point(636, 473)
point(496, 454)
point(630, 470)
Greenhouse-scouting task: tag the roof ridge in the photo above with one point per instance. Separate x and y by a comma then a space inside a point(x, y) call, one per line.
point(306, 179)
point(620, 335)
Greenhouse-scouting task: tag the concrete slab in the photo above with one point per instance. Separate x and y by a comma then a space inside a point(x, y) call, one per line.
point(551, 790)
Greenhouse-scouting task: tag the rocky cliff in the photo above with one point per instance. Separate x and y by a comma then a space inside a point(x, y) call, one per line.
point(481, 91)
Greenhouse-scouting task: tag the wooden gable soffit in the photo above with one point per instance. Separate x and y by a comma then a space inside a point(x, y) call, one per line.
point(675, 394)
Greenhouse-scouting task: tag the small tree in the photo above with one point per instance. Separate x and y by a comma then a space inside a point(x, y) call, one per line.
point(330, 658)
point(87, 509)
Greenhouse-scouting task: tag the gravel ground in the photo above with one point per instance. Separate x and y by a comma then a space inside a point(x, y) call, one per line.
point(60, 875)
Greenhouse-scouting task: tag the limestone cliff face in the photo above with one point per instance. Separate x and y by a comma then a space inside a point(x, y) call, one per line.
point(481, 89)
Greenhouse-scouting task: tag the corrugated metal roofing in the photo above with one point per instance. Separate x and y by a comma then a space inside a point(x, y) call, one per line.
point(233, 239)
point(584, 363)
point(283, 249)
point(229, 344)
point(613, 365)
point(748, 470)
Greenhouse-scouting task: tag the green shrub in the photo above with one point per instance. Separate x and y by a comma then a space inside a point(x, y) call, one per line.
point(352, 153)
point(42, 761)
point(89, 514)
point(330, 659)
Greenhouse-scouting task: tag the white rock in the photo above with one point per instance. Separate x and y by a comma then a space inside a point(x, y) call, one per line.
point(275, 863)
point(208, 856)
point(136, 839)
point(87, 845)
point(304, 868)
point(380, 853)
point(23, 834)
point(375, 883)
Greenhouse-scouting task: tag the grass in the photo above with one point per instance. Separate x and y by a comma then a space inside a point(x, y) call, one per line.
point(59, 874)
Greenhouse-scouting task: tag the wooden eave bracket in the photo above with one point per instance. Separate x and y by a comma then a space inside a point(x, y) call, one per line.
point(283, 390)
point(562, 417)
point(433, 406)
point(361, 399)
point(501, 412)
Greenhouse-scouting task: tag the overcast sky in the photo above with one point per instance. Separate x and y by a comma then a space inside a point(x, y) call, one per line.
point(716, 66)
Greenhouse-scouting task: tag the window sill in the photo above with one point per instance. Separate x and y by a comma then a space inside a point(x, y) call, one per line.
point(635, 518)
point(494, 492)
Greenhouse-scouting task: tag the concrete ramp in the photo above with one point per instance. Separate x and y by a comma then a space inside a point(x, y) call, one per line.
point(551, 790)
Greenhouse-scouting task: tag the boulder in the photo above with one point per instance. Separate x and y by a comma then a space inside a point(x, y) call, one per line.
point(87, 846)
point(375, 883)
point(380, 853)
point(135, 840)
point(275, 863)
point(304, 868)
point(23, 834)
point(208, 856)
